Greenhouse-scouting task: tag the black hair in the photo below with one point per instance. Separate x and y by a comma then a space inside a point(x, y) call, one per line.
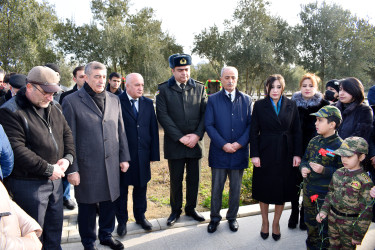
point(78, 69)
point(7, 76)
point(114, 74)
point(335, 119)
point(270, 80)
point(354, 87)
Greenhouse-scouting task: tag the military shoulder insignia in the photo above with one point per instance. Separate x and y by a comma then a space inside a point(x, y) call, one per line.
point(199, 82)
point(157, 92)
point(355, 185)
point(365, 176)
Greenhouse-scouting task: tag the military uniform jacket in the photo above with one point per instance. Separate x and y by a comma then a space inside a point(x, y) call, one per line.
point(181, 112)
point(349, 192)
point(319, 150)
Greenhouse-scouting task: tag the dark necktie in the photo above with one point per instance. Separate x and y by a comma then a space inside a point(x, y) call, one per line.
point(230, 96)
point(134, 108)
point(182, 85)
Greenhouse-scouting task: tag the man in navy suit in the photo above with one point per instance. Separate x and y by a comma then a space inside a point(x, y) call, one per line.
point(143, 139)
point(227, 122)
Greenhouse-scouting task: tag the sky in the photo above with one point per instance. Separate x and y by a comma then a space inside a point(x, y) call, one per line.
point(184, 19)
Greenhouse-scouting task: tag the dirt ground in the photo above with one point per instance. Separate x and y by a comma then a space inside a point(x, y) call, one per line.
point(158, 188)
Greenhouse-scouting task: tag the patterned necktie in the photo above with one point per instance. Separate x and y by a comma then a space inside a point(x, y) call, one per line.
point(134, 108)
point(230, 96)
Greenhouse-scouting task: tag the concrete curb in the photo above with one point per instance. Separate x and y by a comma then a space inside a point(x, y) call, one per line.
point(70, 232)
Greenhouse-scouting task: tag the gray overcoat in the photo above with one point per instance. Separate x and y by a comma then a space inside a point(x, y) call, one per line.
point(101, 145)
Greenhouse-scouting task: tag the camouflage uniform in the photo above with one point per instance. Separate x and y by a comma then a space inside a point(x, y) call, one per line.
point(347, 199)
point(318, 184)
point(319, 150)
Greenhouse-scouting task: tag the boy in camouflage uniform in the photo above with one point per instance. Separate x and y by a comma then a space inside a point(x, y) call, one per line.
point(317, 167)
point(348, 199)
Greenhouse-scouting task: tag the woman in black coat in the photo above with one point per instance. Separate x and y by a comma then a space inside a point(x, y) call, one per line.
point(275, 149)
point(308, 100)
point(356, 115)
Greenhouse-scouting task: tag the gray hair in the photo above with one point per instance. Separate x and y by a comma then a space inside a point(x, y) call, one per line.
point(229, 67)
point(92, 66)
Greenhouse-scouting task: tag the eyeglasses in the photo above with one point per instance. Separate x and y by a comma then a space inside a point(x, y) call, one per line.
point(44, 93)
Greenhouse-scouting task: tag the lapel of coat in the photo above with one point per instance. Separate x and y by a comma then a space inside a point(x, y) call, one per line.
point(141, 107)
point(127, 105)
point(270, 109)
point(285, 108)
point(89, 102)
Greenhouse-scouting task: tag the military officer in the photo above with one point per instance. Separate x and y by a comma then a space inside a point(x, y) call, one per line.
point(180, 107)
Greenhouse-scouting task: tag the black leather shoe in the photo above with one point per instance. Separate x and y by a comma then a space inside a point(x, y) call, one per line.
point(212, 226)
point(302, 225)
point(276, 237)
point(121, 229)
point(195, 215)
point(69, 204)
point(145, 224)
point(112, 243)
point(172, 219)
point(264, 235)
point(233, 225)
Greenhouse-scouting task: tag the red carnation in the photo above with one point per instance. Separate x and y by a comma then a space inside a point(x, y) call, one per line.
point(314, 197)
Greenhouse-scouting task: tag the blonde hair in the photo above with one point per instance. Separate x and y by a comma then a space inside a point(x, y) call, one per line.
point(312, 77)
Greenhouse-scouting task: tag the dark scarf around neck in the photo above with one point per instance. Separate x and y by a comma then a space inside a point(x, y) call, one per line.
point(99, 98)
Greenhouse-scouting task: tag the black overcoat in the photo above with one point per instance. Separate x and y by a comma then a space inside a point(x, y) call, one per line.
point(181, 112)
point(143, 139)
point(275, 139)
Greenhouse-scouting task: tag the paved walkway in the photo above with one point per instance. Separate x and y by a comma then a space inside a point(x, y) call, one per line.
point(188, 234)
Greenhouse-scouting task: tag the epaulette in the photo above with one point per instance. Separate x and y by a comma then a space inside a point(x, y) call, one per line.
point(199, 82)
point(162, 83)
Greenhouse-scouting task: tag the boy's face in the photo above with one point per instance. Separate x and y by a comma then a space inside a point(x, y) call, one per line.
point(323, 127)
point(352, 162)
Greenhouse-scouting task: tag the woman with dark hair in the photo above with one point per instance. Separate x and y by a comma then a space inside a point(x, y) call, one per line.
point(275, 149)
point(308, 100)
point(356, 115)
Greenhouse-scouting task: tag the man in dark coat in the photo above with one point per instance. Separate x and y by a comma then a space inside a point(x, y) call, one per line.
point(227, 122)
point(95, 118)
point(180, 107)
point(114, 84)
point(43, 149)
point(143, 139)
point(79, 79)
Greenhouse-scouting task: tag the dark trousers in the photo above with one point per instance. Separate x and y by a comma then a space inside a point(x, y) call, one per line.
point(219, 176)
point(42, 200)
point(87, 222)
point(66, 188)
point(315, 232)
point(176, 171)
point(139, 203)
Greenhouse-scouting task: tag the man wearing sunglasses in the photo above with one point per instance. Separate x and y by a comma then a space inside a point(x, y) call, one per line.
point(43, 148)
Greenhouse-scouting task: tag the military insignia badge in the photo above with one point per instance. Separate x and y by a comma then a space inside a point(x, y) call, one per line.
point(355, 184)
point(183, 61)
point(367, 179)
point(157, 92)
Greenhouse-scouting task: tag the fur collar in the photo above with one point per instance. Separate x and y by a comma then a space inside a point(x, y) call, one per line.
point(313, 102)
